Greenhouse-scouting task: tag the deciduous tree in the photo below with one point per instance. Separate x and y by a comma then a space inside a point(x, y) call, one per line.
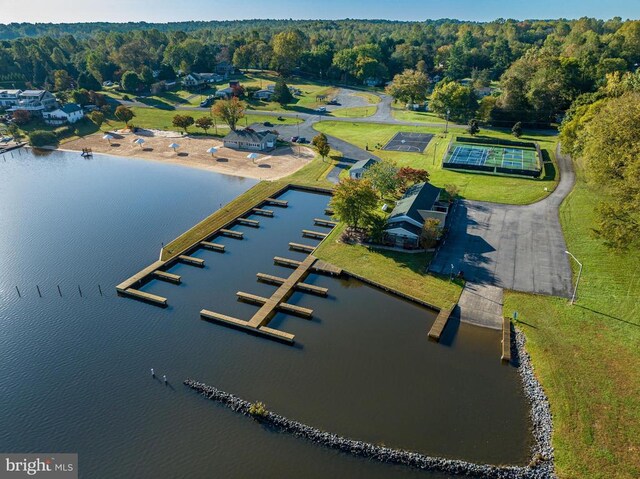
point(182, 121)
point(409, 86)
point(384, 177)
point(124, 114)
point(204, 122)
point(229, 111)
point(353, 201)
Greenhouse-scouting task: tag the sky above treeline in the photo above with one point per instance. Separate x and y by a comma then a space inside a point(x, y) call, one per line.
point(69, 11)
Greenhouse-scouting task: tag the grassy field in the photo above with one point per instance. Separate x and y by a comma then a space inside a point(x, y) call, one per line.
point(416, 116)
point(401, 271)
point(354, 112)
point(587, 356)
point(477, 186)
point(370, 97)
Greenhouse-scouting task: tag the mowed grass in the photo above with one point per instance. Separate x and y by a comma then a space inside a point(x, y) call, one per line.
point(404, 272)
point(475, 186)
point(587, 356)
point(416, 116)
point(354, 112)
point(370, 97)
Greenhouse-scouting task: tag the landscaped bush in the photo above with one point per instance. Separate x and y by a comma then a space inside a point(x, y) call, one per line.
point(63, 131)
point(41, 138)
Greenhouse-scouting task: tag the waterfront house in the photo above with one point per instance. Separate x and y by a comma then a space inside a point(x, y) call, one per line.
point(249, 139)
point(358, 169)
point(419, 203)
point(9, 98)
point(69, 113)
point(35, 102)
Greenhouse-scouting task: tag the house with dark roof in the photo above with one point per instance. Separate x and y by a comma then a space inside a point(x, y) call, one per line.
point(35, 102)
point(249, 139)
point(419, 203)
point(359, 168)
point(69, 113)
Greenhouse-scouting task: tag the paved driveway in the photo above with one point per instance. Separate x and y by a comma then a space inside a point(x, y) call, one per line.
point(513, 247)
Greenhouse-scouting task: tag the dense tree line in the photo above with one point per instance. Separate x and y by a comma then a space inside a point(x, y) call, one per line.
point(541, 66)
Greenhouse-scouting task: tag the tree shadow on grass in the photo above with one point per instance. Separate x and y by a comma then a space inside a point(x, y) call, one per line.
point(608, 315)
point(549, 167)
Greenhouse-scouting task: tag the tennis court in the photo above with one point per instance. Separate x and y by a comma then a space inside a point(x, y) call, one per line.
point(499, 159)
point(409, 142)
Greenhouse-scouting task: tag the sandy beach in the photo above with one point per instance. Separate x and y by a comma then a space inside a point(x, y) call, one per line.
point(192, 152)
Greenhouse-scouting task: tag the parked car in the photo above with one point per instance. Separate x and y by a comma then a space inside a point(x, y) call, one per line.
point(205, 103)
point(268, 124)
point(321, 109)
point(294, 139)
point(333, 102)
point(302, 139)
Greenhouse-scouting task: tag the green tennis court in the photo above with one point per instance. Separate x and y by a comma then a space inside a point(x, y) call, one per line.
point(500, 159)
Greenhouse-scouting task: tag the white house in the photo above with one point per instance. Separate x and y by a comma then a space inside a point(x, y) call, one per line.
point(359, 168)
point(69, 113)
point(9, 98)
point(249, 139)
point(35, 102)
point(199, 79)
point(263, 94)
point(419, 203)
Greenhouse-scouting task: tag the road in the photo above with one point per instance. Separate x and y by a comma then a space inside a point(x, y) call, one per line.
point(513, 247)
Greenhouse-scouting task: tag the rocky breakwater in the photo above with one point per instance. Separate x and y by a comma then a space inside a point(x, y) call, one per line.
point(541, 465)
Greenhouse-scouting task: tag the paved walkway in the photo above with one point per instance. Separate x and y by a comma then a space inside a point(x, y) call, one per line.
point(514, 247)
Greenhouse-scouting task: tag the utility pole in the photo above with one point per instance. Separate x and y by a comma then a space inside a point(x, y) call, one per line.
point(298, 123)
point(575, 290)
point(446, 125)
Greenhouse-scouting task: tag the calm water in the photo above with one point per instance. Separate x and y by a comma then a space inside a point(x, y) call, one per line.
point(75, 375)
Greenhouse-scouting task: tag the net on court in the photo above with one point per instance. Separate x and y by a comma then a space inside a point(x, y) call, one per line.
point(409, 142)
point(499, 159)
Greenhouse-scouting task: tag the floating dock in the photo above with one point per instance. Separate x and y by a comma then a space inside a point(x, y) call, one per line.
point(290, 263)
point(146, 297)
point(260, 211)
point(191, 260)
point(212, 246)
point(506, 340)
point(275, 202)
point(314, 234)
point(170, 277)
point(323, 222)
point(248, 222)
point(302, 247)
point(439, 324)
point(231, 233)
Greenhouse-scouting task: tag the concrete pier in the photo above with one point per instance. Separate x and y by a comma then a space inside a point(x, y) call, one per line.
point(314, 234)
point(275, 202)
point(323, 222)
point(212, 246)
point(231, 233)
point(248, 222)
point(506, 340)
point(191, 260)
point(262, 212)
point(302, 247)
point(170, 277)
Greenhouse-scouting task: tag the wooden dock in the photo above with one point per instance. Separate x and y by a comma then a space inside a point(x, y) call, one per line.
point(439, 324)
point(314, 234)
point(323, 267)
point(275, 202)
point(267, 310)
point(191, 260)
point(248, 222)
point(302, 247)
point(170, 277)
point(244, 326)
point(231, 233)
point(291, 263)
point(146, 297)
point(506, 340)
point(304, 287)
point(328, 211)
point(260, 211)
point(323, 222)
point(286, 307)
point(212, 246)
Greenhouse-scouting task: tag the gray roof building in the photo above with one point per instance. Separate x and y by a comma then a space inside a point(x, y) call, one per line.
point(358, 169)
point(250, 139)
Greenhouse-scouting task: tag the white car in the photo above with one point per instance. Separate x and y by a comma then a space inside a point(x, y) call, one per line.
point(321, 109)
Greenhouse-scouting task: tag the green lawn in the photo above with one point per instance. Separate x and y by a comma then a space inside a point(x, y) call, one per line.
point(587, 356)
point(354, 112)
point(404, 272)
point(416, 116)
point(370, 97)
point(475, 186)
